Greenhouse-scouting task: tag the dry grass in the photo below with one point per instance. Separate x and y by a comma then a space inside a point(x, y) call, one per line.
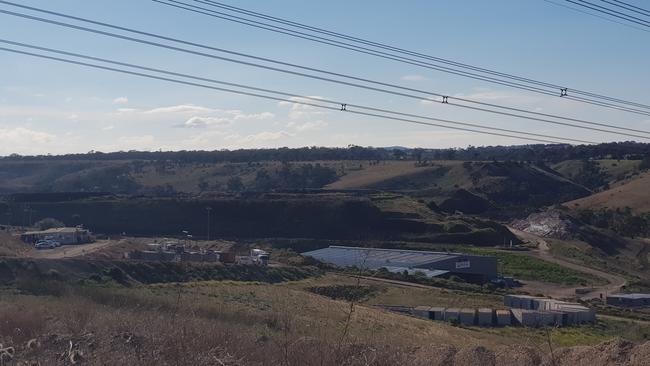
point(375, 173)
point(402, 295)
point(250, 324)
point(633, 194)
point(236, 323)
point(11, 246)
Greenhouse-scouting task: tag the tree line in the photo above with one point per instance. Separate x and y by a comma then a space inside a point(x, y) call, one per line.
point(538, 152)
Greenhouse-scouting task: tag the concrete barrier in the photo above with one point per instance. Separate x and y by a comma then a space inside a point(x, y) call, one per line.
point(485, 317)
point(437, 313)
point(452, 314)
point(421, 312)
point(503, 317)
point(467, 316)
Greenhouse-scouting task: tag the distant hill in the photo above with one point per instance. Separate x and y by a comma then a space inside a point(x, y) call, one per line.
point(634, 194)
point(597, 173)
point(508, 185)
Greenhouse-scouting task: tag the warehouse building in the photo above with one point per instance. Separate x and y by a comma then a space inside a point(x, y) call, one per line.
point(474, 268)
point(64, 235)
point(629, 300)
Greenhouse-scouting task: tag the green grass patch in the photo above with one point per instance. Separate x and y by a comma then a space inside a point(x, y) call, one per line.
point(524, 267)
point(582, 335)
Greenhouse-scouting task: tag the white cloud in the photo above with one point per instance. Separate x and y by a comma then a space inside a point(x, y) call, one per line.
point(126, 110)
point(254, 116)
point(136, 142)
point(182, 108)
point(224, 118)
point(21, 135)
point(489, 95)
point(301, 111)
point(431, 100)
point(108, 128)
point(307, 126)
point(264, 136)
point(121, 100)
point(414, 77)
point(202, 122)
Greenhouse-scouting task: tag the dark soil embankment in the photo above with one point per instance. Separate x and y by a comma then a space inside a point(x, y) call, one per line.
point(250, 216)
point(35, 275)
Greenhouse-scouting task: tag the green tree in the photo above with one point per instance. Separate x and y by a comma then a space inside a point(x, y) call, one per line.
point(48, 223)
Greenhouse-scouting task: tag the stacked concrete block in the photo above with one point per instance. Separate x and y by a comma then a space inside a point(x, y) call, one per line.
point(485, 317)
point(581, 314)
point(572, 313)
point(629, 300)
point(467, 316)
point(421, 312)
point(522, 302)
point(437, 313)
point(503, 317)
point(527, 317)
point(547, 318)
point(452, 314)
point(537, 303)
point(559, 318)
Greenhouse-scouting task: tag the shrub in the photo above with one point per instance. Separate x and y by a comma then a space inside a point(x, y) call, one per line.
point(49, 223)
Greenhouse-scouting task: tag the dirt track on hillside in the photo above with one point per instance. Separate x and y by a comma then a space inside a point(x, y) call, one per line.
point(70, 251)
point(615, 282)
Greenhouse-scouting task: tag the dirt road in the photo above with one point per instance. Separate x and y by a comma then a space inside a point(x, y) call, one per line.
point(615, 282)
point(70, 251)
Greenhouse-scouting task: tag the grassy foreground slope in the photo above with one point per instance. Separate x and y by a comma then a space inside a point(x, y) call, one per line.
point(249, 323)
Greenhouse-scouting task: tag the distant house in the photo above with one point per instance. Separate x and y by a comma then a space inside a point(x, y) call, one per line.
point(64, 235)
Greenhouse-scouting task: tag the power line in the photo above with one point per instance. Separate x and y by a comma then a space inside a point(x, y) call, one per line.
point(294, 101)
point(609, 12)
point(326, 72)
point(298, 34)
point(615, 11)
point(628, 7)
point(632, 6)
point(338, 103)
point(607, 104)
point(597, 16)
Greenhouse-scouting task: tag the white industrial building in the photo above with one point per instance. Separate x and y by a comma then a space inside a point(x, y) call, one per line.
point(64, 235)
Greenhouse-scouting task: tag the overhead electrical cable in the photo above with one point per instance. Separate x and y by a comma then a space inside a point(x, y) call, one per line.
point(628, 7)
point(608, 104)
point(596, 15)
point(646, 11)
point(338, 103)
point(535, 84)
point(293, 99)
point(330, 73)
point(609, 12)
point(646, 21)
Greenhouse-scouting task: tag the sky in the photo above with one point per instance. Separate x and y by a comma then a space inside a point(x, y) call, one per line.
point(47, 107)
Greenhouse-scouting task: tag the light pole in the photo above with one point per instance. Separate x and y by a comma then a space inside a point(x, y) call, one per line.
point(209, 209)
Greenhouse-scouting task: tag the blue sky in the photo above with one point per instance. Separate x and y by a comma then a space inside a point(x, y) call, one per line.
point(48, 107)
